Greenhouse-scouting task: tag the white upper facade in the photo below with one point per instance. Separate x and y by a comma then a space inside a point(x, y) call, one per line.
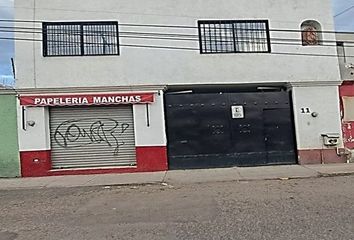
point(346, 55)
point(153, 66)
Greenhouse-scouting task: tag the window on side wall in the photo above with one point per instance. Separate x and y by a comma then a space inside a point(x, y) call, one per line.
point(232, 36)
point(80, 39)
point(348, 107)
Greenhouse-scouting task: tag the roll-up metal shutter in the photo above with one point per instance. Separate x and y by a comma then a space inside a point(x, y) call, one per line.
point(88, 137)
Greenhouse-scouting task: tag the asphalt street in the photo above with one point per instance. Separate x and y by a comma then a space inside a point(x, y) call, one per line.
point(316, 208)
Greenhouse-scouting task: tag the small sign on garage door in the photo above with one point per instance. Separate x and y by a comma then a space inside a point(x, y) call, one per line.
point(237, 112)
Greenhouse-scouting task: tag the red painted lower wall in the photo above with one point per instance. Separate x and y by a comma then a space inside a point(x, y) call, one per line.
point(39, 164)
point(348, 134)
point(35, 163)
point(151, 159)
point(319, 156)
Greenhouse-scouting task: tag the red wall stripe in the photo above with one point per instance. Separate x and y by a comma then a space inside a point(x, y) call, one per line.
point(39, 164)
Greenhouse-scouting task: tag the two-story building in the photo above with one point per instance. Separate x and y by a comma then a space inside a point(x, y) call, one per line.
point(129, 86)
point(345, 44)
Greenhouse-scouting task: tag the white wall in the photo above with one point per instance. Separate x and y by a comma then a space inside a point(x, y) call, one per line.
point(150, 124)
point(136, 66)
point(324, 100)
point(348, 51)
point(36, 138)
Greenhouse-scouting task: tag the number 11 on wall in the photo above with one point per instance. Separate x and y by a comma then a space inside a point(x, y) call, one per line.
point(305, 110)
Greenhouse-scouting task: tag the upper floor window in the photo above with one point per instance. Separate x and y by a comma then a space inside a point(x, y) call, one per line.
point(80, 38)
point(234, 36)
point(311, 33)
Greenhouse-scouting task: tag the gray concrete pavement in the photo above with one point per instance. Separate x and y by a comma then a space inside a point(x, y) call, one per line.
point(83, 180)
point(332, 169)
point(187, 176)
point(296, 209)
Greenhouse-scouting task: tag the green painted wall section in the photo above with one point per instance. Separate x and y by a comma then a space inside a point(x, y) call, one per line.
point(9, 154)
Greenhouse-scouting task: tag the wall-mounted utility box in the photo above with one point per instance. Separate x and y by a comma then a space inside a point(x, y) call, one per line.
point(331, 139)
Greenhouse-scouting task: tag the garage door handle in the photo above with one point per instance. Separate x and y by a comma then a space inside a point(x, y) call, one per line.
point(184, 142)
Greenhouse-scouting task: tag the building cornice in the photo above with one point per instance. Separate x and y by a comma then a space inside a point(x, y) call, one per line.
point(315, 83)
point(137, 88)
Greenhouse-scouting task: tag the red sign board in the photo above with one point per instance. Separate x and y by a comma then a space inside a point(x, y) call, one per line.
point(86, 99)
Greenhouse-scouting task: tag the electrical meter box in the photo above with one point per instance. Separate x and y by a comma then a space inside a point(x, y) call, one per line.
point(331, 139)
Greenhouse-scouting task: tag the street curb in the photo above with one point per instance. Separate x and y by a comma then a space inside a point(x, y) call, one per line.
point(170, 184)
point(83, 186)
point(336, 174)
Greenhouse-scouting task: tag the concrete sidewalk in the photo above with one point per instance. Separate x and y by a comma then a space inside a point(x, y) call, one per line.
point(182, 177)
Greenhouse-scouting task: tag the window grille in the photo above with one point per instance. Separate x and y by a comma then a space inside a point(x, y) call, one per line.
point(234, 37)
point(80, 39)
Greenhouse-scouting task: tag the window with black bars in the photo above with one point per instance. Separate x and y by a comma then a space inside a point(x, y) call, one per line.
point(80, 39)
point(234, 36)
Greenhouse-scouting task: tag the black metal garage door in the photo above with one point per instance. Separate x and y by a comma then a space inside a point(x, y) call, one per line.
point(230, 129)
